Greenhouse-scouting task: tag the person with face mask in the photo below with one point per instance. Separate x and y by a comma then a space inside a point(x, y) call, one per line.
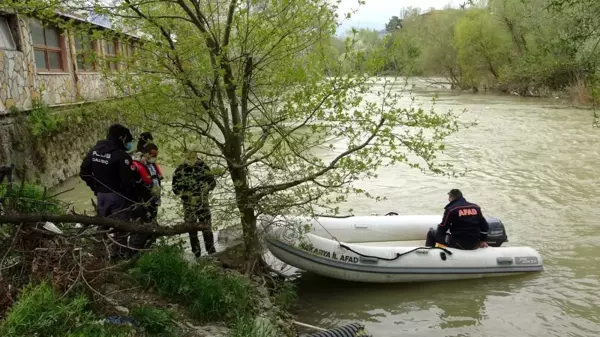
point(193, 182)
point(148, 192)
point(110, 173)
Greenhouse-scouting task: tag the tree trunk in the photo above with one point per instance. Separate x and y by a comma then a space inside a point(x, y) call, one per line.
point(246, 205)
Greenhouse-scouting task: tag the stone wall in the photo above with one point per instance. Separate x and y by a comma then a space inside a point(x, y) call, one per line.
point(17, 71)
point(91, 86)
point(56, 88)
point(55, 157)
point(52, 159)
point(21, 82)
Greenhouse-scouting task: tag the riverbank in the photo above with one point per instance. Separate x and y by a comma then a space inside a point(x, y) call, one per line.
point(161, 294)
point(578, 95)
point(65, 285)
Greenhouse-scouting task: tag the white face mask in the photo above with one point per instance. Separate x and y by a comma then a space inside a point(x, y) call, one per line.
point(152, 160)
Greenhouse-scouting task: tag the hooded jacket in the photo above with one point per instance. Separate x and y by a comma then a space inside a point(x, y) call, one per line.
point(107, 168)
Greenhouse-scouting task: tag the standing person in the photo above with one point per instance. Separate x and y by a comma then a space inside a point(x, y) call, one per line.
point(110, 173)
point(145, 138)
point(193, 182)
point(149, 192)
point(465, 221)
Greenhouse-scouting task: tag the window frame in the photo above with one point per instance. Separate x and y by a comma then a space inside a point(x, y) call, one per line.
point(110, 64)
point(61, 49)
point(83, 54)
point(9, 33)
point(132, 47)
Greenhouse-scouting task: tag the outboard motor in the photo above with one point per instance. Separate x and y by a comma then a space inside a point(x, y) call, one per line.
point(496, 234)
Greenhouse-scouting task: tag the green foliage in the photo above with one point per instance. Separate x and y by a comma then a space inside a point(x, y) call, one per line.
point(208, 292)
point(41, 312)
point(482, 46)
point(155, 321)
point(30, 198)
point(41, 122)
point(511, 45)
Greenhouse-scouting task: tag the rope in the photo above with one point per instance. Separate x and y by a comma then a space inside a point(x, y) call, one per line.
point(398, 255)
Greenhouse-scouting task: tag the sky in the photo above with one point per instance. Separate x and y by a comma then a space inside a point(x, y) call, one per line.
point(375, 14)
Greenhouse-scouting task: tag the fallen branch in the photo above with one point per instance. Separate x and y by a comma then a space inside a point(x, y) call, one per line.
point(124, 226)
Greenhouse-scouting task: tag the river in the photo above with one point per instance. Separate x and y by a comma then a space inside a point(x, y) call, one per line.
point(532, 163)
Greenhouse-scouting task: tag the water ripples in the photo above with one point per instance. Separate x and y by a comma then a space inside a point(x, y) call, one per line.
point(530, 164)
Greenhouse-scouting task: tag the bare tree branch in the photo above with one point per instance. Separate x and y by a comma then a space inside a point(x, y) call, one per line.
point(262, 191)
point(133, 227)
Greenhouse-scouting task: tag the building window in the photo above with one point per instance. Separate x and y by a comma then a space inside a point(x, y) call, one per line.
point(48, 47)
point(85, 48)
point(131, 51)
point(110, 52)
point(6, 37)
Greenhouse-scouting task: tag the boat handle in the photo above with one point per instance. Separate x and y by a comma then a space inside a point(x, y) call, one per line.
point(360, 226)
point(504, 260)
point(368, 260)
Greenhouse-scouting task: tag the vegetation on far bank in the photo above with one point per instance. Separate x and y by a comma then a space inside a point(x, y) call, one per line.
point(532, 48)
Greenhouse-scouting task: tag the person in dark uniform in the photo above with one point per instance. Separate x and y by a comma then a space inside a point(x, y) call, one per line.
point(465, 221)
point(110, 173)
point(193, 182)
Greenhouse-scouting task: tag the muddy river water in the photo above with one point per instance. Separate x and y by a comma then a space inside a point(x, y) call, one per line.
point(532, 163)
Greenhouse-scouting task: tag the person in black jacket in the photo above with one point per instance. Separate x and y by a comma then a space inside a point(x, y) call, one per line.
point(193, 181)
point(110, 173)
point(465, 221)
point(144, 139)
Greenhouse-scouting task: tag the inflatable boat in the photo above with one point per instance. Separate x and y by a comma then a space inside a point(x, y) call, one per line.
point(389, 249)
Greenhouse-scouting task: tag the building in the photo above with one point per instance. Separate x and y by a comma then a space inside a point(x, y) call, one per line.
point(42, 62)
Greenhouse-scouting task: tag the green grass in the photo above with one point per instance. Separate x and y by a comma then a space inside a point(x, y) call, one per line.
point(155, 321)
point(30, 199)
point(246, 327)
point(210, 294)
point(41, 312)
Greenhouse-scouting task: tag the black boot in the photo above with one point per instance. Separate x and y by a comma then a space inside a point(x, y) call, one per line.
point(209, 241)
point(195, 243)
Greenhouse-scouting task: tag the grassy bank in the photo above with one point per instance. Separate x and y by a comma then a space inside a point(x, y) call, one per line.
point(162, 294)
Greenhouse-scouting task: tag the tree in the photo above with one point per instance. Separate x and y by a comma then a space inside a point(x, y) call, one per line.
point(483, 47)
point(394, 24)
point(246, 81)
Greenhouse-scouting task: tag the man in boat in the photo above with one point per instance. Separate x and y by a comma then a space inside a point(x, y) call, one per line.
point(465, 221)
